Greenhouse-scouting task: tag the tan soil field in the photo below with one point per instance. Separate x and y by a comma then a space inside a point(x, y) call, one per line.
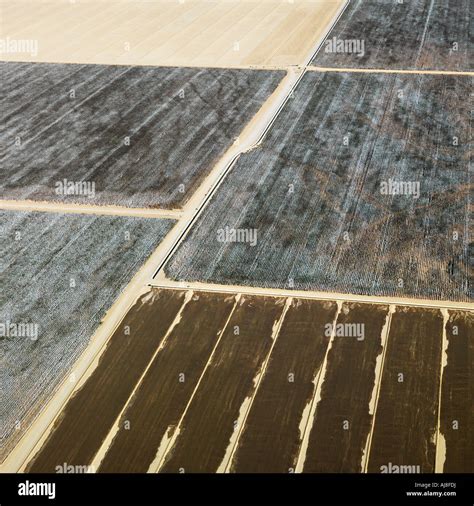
point(177, 33)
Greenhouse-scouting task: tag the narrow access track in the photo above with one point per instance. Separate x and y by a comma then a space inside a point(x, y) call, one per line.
point(162, 281)
point(98, 210)
point(391, 71)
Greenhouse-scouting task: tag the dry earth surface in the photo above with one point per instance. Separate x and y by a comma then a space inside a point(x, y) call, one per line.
point(199, 33)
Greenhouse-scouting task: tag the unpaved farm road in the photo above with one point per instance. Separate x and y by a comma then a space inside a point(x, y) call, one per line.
point(390, 71)
point(99, 210)
point(161, 281)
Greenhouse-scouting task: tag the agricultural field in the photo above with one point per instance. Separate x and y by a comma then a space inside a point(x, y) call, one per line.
point(356, 167)
point(243, 383)
point(271, 438)
point(415, 34)
point(198, 33)
point(405, 427)
point(59, 275)
point(161, 397)
point(206, 434)
point(342, 422)
point(131, 136)
point(112, 383)
point(457, 424)
point(237, 239)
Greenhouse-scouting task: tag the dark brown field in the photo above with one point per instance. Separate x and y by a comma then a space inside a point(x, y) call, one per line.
point(271, 438)
point(406, 418)
point(457, 401)
point(210, 420)
point(91, 412)
point(342, 422)
point(175, 389)
point(163, 394)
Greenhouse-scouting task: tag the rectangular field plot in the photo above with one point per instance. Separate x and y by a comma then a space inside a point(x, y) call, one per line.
point(194, 381)
point(456, 454)
point(362, 186)
point(164, 32)
point(215, 416)
point(59, 274)
point(343, 415)
point(406, 417)
point(271, 438)
point(415, 34)
point(133, 136)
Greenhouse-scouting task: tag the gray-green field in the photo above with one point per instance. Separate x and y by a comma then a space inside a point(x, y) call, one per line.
point(133, 136)
point(363, 185)
point(412, 34)
point(59, 274)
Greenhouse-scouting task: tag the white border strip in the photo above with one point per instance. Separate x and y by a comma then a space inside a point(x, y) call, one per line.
point(162, 282)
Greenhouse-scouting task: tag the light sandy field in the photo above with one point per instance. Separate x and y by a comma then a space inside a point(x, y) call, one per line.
point(164, 32)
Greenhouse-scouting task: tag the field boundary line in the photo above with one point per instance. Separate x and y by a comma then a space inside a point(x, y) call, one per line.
point(165, 283)
point(260, 374)
point(214, 66)
point(98, 210)
point(368, 446)
point(440, 439)
point(104, 447)
point(312, 68)
point(159, 460)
